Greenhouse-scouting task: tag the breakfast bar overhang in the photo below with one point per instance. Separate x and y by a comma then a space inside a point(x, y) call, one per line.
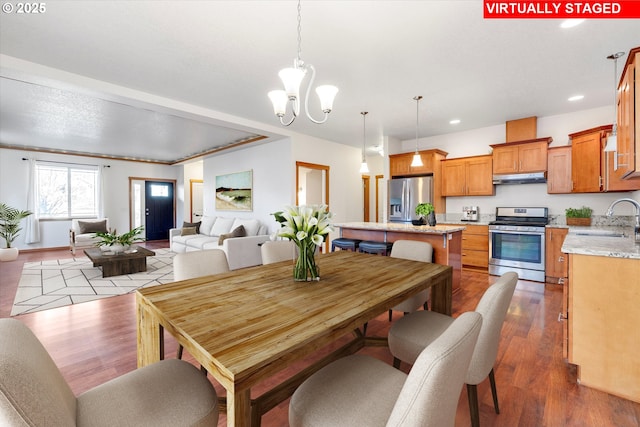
point(445, 239)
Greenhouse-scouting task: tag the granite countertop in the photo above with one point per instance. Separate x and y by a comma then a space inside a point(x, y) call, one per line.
point(401, 227)
point(598, 241)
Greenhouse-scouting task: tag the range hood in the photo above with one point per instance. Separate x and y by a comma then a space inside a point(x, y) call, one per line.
point(521, 178)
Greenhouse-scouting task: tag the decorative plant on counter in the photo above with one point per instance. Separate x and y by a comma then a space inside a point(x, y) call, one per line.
point(578, 216)
point(9, 228)
point(119, 242)
point(426, 211)
point(307, 227)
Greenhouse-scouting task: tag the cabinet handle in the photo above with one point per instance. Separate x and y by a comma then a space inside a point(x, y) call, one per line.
point(561, 281)
point(560, 259)
point(561, 318)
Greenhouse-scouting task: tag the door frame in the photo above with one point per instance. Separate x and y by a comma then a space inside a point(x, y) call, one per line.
point(191, 182)
point(378, 178)
point(315, 166)
point(366, 198)
point(145, 180)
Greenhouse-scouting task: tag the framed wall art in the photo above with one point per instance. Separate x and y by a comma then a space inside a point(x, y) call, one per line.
point(234, 191)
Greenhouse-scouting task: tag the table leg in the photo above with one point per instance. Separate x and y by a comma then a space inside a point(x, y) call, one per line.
point(239, 408)
point(441, 295)
point(149, 335)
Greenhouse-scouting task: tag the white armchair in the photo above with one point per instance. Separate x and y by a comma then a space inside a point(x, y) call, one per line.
point(82, 232)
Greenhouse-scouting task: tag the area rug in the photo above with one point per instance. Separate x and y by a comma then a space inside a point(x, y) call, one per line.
point(56, 283)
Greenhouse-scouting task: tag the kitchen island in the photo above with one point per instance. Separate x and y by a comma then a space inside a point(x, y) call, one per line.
point(446, 240)
point(603, 294)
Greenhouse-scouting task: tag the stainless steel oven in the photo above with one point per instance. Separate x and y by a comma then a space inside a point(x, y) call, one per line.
point(517, 242)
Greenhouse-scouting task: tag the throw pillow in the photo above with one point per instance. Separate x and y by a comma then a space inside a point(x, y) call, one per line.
point(192, 224)
point(237, 232)
point(188, 231)
point(85, 227)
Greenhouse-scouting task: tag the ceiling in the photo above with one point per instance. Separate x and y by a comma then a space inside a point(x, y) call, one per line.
point(204, 69)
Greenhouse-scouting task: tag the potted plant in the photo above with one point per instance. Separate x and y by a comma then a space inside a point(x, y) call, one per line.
point(111, 240)
point(578, 216)
point(9, 228)
point(426, 211)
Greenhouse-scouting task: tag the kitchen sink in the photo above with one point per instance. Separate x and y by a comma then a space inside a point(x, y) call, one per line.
point(599, 233)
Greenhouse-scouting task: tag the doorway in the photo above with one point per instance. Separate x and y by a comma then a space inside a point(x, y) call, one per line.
point(312, 186)
point(152, 205)
point(366, 180)
point(196, 192)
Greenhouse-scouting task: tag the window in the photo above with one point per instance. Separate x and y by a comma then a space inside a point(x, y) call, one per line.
point(67, 191)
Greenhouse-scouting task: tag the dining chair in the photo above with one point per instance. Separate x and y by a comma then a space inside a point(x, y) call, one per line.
point(360, 390)
point(416, 251)
point(278, 250)
point(33, 391)
point(409, 336)
point(189, 265)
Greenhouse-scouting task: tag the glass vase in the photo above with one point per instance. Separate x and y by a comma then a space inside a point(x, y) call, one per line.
point(305, 268)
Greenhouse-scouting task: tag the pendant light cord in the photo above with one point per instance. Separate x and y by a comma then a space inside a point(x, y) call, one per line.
point(417, 98)
point(299, 32)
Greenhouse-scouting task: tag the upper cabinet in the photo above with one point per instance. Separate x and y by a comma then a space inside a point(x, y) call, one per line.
point(586, 159)
point(400, 164)
point(628, 119)
point(559, 170)
point(521, 157)
point(467, 176)
point(592, 169)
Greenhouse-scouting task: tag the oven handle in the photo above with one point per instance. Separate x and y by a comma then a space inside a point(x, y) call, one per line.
point(529, 233)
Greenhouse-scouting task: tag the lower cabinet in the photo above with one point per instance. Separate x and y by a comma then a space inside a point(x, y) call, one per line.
point(475, 247)
point(556, 266)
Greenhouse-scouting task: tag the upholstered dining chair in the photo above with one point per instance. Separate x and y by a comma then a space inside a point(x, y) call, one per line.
point(410, 335)
point(361, 390)
point(416, 251)
point(278, 250)
point(189, 265)
point(33, 392)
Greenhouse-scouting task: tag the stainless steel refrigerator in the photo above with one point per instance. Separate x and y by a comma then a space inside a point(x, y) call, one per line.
point(405, 194)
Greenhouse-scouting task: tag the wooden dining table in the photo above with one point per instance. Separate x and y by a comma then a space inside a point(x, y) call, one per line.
point(247, 325)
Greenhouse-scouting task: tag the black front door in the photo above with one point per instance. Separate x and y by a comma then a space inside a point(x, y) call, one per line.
point(158, 209)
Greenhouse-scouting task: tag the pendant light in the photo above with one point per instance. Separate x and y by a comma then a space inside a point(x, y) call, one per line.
point(612, 140)
point(292, 78)
point(364, 168)
point(417, 160)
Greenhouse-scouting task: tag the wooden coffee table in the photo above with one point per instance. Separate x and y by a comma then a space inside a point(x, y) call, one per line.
point(133, 260)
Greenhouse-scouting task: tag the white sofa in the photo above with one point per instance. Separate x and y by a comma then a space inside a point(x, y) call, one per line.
point(241, 251)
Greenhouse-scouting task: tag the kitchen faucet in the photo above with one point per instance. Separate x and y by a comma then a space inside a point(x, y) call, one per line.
point(637, 206)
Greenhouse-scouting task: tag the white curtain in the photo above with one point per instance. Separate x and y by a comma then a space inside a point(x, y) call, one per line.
point(101, 191)
point(32, 228)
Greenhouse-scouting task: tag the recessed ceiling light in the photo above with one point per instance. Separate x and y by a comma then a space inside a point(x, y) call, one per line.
point(575, 98)
point(454, 121)
point(570, 23)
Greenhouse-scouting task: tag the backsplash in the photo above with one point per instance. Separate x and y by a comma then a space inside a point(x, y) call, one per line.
point(598, 220)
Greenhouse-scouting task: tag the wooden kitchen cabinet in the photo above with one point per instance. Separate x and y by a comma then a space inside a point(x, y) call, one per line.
point(592, 169)
point(468, 176)
point(521, 157)
point(400, 164)
point(556, 266)
point(586, 160)
point(475, 246)
point(603, 319)
point(559, 170)
point(628, 118)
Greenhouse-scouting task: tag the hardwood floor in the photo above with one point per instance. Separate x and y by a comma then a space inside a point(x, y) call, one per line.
point(96, 341)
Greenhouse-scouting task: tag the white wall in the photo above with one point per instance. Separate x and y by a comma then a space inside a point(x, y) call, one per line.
point(14, 176)
point(477, 141)
point(273, 179)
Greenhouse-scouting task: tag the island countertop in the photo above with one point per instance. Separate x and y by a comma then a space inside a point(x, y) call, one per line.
point(446, 240)
point(401, 227)
point(605, 246)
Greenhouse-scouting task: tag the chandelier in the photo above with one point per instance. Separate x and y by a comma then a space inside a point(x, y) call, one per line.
point(292, 78)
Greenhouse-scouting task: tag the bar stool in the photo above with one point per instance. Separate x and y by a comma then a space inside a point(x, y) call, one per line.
point(378, 248)
point(345, 244)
